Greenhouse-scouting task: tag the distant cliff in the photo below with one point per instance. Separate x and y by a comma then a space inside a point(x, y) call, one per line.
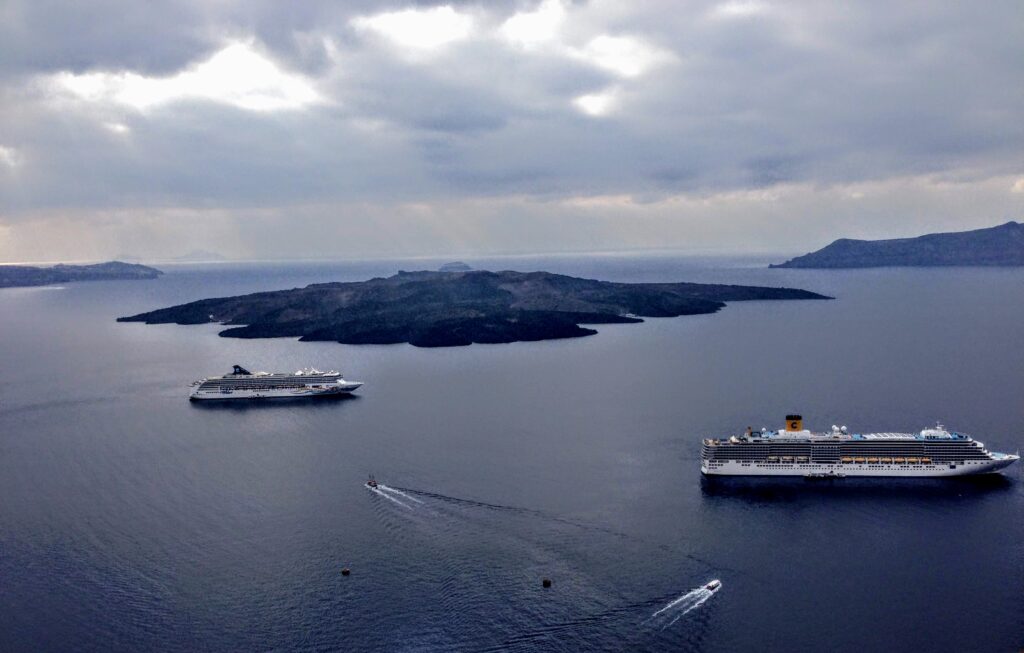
point(26, 275)
point(995, 246)
point(441, 309)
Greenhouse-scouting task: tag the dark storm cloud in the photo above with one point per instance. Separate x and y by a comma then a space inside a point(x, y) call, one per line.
point(646, 100)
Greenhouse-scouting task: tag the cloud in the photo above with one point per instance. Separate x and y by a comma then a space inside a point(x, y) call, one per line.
point(626, 56)
point(739, 9)
point(418, 29)
point(9, 157)
point(533, 29)
point(597, 104)
point(237, 75)
point(117, 127)
point(785, 219)
point(504, 111)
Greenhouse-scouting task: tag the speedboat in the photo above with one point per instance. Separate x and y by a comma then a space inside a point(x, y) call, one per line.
point(713, 585)
point(372, 483)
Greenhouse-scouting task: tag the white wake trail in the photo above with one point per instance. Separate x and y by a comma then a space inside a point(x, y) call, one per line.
point(390, 498)
point(691, 595)
point(696, 605)
point(399, 492)
point(677, 608)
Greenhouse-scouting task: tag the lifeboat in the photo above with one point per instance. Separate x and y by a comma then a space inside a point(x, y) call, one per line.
point(926, 461)
point(913, 461)
point(898, 460)
point(787, 459)
point(773, 459)
point(858, 460)
point(801, 459)
point(885, 460)
point(847, 459)
point(872, 460)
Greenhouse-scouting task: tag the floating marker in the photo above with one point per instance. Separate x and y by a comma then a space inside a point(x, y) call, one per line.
point(345, 571)
point(546, 582)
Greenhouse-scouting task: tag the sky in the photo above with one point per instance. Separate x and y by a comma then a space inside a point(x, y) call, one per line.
point(315, 129)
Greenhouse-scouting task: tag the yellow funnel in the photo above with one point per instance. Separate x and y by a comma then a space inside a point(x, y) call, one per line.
point(794, 423)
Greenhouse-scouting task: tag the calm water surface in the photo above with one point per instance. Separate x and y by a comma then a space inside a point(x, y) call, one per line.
point(131, 519)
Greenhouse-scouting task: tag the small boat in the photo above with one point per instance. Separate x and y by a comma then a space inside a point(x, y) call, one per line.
point(372, 483)
point(713, 585)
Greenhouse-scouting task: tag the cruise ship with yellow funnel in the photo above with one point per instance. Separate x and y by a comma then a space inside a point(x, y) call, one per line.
point(796, 451)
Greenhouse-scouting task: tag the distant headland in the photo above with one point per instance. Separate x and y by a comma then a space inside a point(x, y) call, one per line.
point(26, 275)
point(442, 309)
point(994, 246)
point(455, 266)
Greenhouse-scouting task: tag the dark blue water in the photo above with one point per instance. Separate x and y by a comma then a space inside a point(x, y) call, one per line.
point(131, 519)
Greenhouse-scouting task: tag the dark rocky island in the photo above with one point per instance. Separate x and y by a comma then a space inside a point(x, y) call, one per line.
point(440, 309)
point(26, 275)
point(994, 246)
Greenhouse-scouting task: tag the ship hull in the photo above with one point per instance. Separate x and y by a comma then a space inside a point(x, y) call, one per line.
point(341, 389)
point(838, 470)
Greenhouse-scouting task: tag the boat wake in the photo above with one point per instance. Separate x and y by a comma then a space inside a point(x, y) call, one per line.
point(674, 610)
point(380, 492)
point(466, 502)
point(669, 614)
point(385, 488)
point(518, 510)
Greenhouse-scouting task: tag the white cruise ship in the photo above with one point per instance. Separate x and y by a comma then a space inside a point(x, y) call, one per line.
point(243, 384)
point(794, 451)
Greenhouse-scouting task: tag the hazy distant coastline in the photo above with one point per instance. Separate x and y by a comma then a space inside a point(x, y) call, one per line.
point(995, 246)
point(12, 276)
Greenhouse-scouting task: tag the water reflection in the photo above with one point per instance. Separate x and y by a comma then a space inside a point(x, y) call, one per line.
point(242, 405)
point(783, 489)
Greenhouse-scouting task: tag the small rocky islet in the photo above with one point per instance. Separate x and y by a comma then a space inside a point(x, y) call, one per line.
point(443, 309)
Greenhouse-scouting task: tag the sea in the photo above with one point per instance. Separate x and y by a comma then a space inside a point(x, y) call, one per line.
point(132, 519)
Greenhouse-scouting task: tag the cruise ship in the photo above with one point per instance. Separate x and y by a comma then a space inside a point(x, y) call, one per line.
point(795, 451)
point(243, 384)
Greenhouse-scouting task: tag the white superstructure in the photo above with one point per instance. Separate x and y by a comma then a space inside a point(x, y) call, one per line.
point(243, 384)
point(794, 451)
